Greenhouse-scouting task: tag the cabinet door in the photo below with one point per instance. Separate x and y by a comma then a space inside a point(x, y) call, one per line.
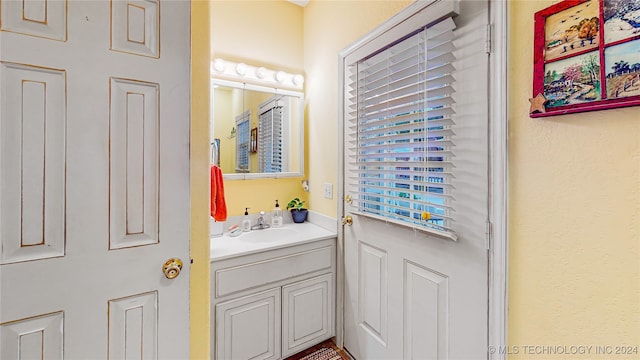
point(249, 327)
point(308, 311)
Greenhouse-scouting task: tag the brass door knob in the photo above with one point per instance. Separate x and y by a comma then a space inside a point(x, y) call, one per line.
point(172, 267)
point(347, 220)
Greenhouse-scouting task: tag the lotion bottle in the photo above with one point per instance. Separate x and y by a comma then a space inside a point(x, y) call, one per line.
point(276, 218)
point(246, 222)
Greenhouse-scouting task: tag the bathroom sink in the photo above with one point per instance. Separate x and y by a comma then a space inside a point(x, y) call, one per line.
point(227, 246)
point(268, 235)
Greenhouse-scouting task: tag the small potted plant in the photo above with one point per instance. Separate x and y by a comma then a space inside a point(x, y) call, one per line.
point(298, 213)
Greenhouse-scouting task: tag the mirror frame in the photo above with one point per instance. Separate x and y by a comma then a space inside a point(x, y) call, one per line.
point(276, 91)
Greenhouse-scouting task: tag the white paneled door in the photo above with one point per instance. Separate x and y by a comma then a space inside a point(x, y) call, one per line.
point(94, 179)
point(409, 293)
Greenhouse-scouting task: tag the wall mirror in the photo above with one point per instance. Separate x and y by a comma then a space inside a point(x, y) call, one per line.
point(257, 131)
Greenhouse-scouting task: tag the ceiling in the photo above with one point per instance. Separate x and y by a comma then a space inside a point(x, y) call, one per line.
point(302, 3)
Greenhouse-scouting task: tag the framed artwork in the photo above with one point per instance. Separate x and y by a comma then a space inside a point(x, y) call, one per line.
point(586, 57)
point(253, 145)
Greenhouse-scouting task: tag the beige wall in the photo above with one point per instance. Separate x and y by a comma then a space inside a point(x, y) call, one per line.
point(261, 33)
point(329, 27)
point(574, 216)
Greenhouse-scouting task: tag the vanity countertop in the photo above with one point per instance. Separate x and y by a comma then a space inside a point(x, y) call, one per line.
point(255, 241)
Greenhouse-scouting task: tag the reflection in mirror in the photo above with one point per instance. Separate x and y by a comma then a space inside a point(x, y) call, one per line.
point(256, 131)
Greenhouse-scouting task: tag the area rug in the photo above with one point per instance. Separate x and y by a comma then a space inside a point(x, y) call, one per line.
point(323, 354)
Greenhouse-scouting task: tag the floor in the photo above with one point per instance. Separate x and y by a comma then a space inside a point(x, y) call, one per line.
point(329, 343)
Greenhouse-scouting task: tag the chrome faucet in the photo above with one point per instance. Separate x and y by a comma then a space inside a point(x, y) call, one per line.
point(262, 223)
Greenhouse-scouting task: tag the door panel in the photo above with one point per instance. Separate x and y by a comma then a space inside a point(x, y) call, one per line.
point(94, 178)
point(134, 163)
point(34, 337)
point(133, 329)
point(46, 19)
point(372, 291)
point(134, 27)
point(33, 162)
point(426, 299)
point(408, 294)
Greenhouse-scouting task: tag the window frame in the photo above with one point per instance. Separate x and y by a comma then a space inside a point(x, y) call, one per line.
point(243, 142)
point(412, 19)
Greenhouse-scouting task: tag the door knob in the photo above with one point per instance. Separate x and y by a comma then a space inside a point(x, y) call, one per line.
point(172, 267)
point(347, 220)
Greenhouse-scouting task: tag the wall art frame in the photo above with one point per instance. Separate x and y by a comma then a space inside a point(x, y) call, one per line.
point(253, 145)
point(586, 57)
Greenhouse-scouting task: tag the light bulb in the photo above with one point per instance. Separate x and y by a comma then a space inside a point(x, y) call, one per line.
point(218, 65)
point(241, 69)
point(261, 72)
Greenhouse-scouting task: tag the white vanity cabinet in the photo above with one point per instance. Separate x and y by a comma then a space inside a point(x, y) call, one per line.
point(249, 327)
point(307, 313)
point(275, 303)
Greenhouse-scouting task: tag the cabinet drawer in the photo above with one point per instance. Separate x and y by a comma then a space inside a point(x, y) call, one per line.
point(243, 277)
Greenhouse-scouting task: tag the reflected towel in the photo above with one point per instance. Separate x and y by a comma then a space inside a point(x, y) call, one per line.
point(217, 204)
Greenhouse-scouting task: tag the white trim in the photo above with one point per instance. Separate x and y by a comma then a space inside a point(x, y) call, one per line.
point(498, 157)
point(498, 254)
point(413, 17)
point(340, 273)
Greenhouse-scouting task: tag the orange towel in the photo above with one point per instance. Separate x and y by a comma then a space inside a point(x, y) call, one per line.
point(218, 205)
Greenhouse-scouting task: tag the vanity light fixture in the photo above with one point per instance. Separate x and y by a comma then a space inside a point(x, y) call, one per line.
point(258, 75)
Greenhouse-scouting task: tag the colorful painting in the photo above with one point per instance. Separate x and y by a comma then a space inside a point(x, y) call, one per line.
point(572, 81)
point(573, 30)
point(586, 57)
point(621, 20)
point(623, 69)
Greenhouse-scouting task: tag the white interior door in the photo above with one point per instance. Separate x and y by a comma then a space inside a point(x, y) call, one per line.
point(94, 184)
point(409, 294)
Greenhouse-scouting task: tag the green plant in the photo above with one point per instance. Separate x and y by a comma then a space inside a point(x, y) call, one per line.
point(296, 204)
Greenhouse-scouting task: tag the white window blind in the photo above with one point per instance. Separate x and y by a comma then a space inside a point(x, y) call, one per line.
point(270, 135)
point(243, 129)
point(400, 140)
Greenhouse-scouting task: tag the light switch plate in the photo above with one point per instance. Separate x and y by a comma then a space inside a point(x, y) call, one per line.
point(328, 191)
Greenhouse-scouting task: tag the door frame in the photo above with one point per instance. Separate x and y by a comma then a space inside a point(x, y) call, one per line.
point(497, 234)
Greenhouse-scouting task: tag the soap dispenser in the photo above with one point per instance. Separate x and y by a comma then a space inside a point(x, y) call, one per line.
point(276, 218)
point(246, 222)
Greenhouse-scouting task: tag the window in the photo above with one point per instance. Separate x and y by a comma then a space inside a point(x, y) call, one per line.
point(272, 130)
point(243, 128)
point(399, 138)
